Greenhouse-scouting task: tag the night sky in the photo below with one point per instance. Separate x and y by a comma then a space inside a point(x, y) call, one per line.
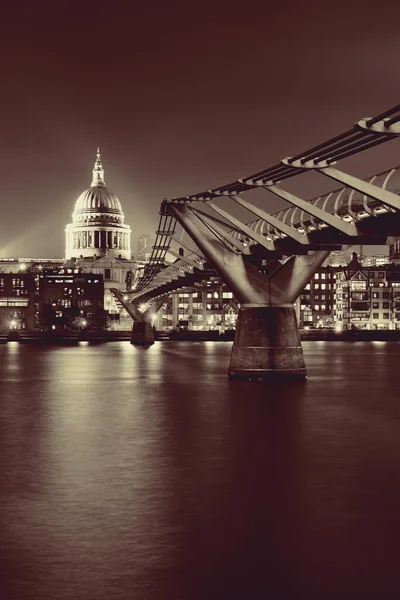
point(180, 97)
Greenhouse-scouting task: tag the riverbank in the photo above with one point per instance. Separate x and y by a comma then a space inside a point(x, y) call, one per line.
point(73, 337)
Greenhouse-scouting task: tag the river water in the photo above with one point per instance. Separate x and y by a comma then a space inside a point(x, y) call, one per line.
point(147, 474)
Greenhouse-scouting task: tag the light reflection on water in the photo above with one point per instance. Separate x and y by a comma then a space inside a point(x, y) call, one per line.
point(146, 473)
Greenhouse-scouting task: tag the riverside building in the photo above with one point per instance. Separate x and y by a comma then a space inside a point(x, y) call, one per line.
point(367, 297)
point(17, 301)
point(206, 306)
point(71, 300)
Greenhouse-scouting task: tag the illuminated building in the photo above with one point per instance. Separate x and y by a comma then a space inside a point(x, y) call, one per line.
point(207, 306)
point(17, 301)
point(368, 297)
point(316, 303)
point(98, 241)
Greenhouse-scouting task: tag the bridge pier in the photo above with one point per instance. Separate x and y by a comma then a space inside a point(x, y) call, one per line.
point(142, 333)
point(267, 343)
point(267, 340)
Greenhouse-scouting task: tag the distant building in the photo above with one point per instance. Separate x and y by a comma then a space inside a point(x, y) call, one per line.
point(17, 301)
point(315, 305)
point(367, 297)
point(375, 260)
point(206, 306)
point(144, 247)
point(71, 300)
point(338, 258)
point(22, 265)
point(394, 252)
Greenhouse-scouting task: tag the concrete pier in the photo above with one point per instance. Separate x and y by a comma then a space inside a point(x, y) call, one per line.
point(267, 344)
point(143, 333)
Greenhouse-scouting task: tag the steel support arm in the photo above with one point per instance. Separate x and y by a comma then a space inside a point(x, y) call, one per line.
point(154, 307)
point(245, 281)
point(128, 306)
point(219, 231)
point(187, 247)
point(291, 232)
point(248, 285)
point(368, 189)
point(177, 266)
point(134, 312)
point(331, 220)
point(296, 273)
point(244, 228)
point(188, 261)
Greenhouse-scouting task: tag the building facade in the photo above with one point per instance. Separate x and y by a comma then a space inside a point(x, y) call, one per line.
point(315, 306)
point(71, 300)
point(17, 301)
point(367, 297)
point(206, 306)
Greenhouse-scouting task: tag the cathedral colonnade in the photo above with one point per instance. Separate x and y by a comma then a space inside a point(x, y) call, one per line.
point(98, 239)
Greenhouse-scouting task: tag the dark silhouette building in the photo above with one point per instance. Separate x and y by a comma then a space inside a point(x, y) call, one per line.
point(71, 300)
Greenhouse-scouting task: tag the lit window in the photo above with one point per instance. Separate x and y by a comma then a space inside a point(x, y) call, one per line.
point(358, 285)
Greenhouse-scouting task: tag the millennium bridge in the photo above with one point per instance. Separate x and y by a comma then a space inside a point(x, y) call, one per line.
point(268, 261)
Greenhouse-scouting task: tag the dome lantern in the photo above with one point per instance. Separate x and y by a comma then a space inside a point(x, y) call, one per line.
point(98, 172)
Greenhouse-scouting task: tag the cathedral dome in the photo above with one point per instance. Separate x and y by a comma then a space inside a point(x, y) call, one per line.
point(97, 202)
point(98, 199)
point(97, 227)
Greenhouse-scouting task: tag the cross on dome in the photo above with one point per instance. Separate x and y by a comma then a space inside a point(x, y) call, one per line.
point(98, 172)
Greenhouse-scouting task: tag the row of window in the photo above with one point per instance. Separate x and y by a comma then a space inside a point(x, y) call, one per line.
point(16, 282)
point(14, 302)
point(376, 316)
point(67, 303)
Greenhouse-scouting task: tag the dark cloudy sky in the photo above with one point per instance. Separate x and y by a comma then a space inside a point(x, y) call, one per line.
point(180, 97)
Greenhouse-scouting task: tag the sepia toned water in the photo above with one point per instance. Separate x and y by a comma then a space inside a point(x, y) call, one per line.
point(147, 474)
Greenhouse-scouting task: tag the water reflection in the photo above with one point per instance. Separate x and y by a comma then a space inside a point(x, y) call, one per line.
point(129, 474)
